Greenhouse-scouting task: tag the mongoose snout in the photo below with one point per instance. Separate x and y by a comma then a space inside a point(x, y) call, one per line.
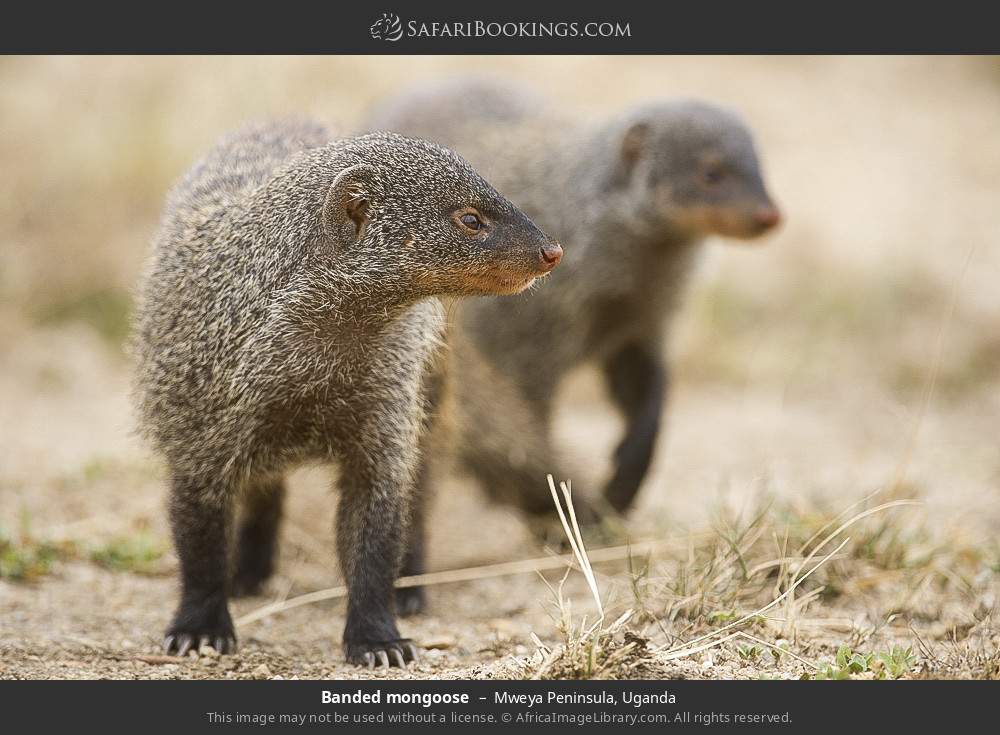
point(551, 253)
point(767, 217)
point(523, 253)
point(744, 223)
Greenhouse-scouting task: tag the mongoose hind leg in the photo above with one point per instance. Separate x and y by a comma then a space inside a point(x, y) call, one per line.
point(637, 379)
point(506, 444)
point(257, 537)
point(413, 600)
point(200, 516)
point(516, 475)
point(370, 540)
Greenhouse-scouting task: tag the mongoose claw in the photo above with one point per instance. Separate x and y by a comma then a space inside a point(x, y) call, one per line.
point(179, 644)
point(410, 652)
point(382, 654)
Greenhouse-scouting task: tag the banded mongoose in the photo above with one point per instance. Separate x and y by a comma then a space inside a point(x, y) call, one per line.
point(637, 194)
point(290, 315)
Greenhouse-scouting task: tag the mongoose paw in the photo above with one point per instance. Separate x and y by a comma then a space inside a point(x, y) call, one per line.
point(196, 627)
point(411, 601)
point(398, 652)
point(178, 644)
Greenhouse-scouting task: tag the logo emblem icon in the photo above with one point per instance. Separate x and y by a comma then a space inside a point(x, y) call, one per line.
point(387, 28)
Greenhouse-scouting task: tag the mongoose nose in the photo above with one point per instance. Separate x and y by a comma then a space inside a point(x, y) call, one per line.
point(767, 217)
point(551, 255)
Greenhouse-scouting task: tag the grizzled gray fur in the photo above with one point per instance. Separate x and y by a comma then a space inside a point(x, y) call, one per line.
point(632, 197)
point(290, 315)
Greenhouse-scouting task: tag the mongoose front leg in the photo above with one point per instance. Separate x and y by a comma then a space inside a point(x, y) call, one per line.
point(257, 537)
point(637, 378)
point(200, 519)
point(370, 539)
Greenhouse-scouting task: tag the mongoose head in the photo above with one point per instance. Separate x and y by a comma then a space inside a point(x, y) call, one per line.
point(692, 167)
point(429, 219)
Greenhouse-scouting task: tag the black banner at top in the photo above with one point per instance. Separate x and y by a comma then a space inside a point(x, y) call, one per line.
point(510, 27)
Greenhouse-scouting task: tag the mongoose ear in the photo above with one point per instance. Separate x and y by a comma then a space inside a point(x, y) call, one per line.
point(349, 202)
point(634, 143)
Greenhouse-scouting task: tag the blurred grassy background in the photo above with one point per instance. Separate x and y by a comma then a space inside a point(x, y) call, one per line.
point(888, 171)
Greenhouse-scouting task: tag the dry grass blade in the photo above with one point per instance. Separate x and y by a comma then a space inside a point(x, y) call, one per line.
point(594, 651)
point(819, 531)
point(852, 520)
point(686, 650)
point(468, 574)
point(572, 529)
point(274, 608)
point(779, 649)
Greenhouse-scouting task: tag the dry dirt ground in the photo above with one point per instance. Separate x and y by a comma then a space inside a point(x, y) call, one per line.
point(852, 361)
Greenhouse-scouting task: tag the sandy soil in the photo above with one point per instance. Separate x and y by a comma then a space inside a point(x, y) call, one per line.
point(82, 620)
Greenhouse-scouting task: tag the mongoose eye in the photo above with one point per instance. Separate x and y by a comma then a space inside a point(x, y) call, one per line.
point(714, 175)
point(469, 220)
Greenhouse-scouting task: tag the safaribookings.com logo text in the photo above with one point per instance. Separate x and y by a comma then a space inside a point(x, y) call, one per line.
point(390, 28)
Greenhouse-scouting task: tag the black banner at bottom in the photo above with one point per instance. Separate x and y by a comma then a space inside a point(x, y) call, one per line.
point(640, 706)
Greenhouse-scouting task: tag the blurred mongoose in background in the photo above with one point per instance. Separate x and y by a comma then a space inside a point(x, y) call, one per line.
point(289, 315)
point(632, 198)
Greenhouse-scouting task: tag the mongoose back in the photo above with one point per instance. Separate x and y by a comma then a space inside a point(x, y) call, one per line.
point(636, 194)
point(290, 314)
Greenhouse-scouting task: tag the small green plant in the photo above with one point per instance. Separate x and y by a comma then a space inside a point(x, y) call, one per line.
point(845, 664)
point(855, 663)
point(722, 616)
point(750, 653)
point(639, 583)
point(829, 671)
point(138, 553)
point(25, 558)
point(884, 665)
point(778, 651)
point(897, 662)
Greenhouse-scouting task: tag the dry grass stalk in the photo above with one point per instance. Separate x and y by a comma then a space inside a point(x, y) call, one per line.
point(572, 530)
point(468, 574)
point(687, 650)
